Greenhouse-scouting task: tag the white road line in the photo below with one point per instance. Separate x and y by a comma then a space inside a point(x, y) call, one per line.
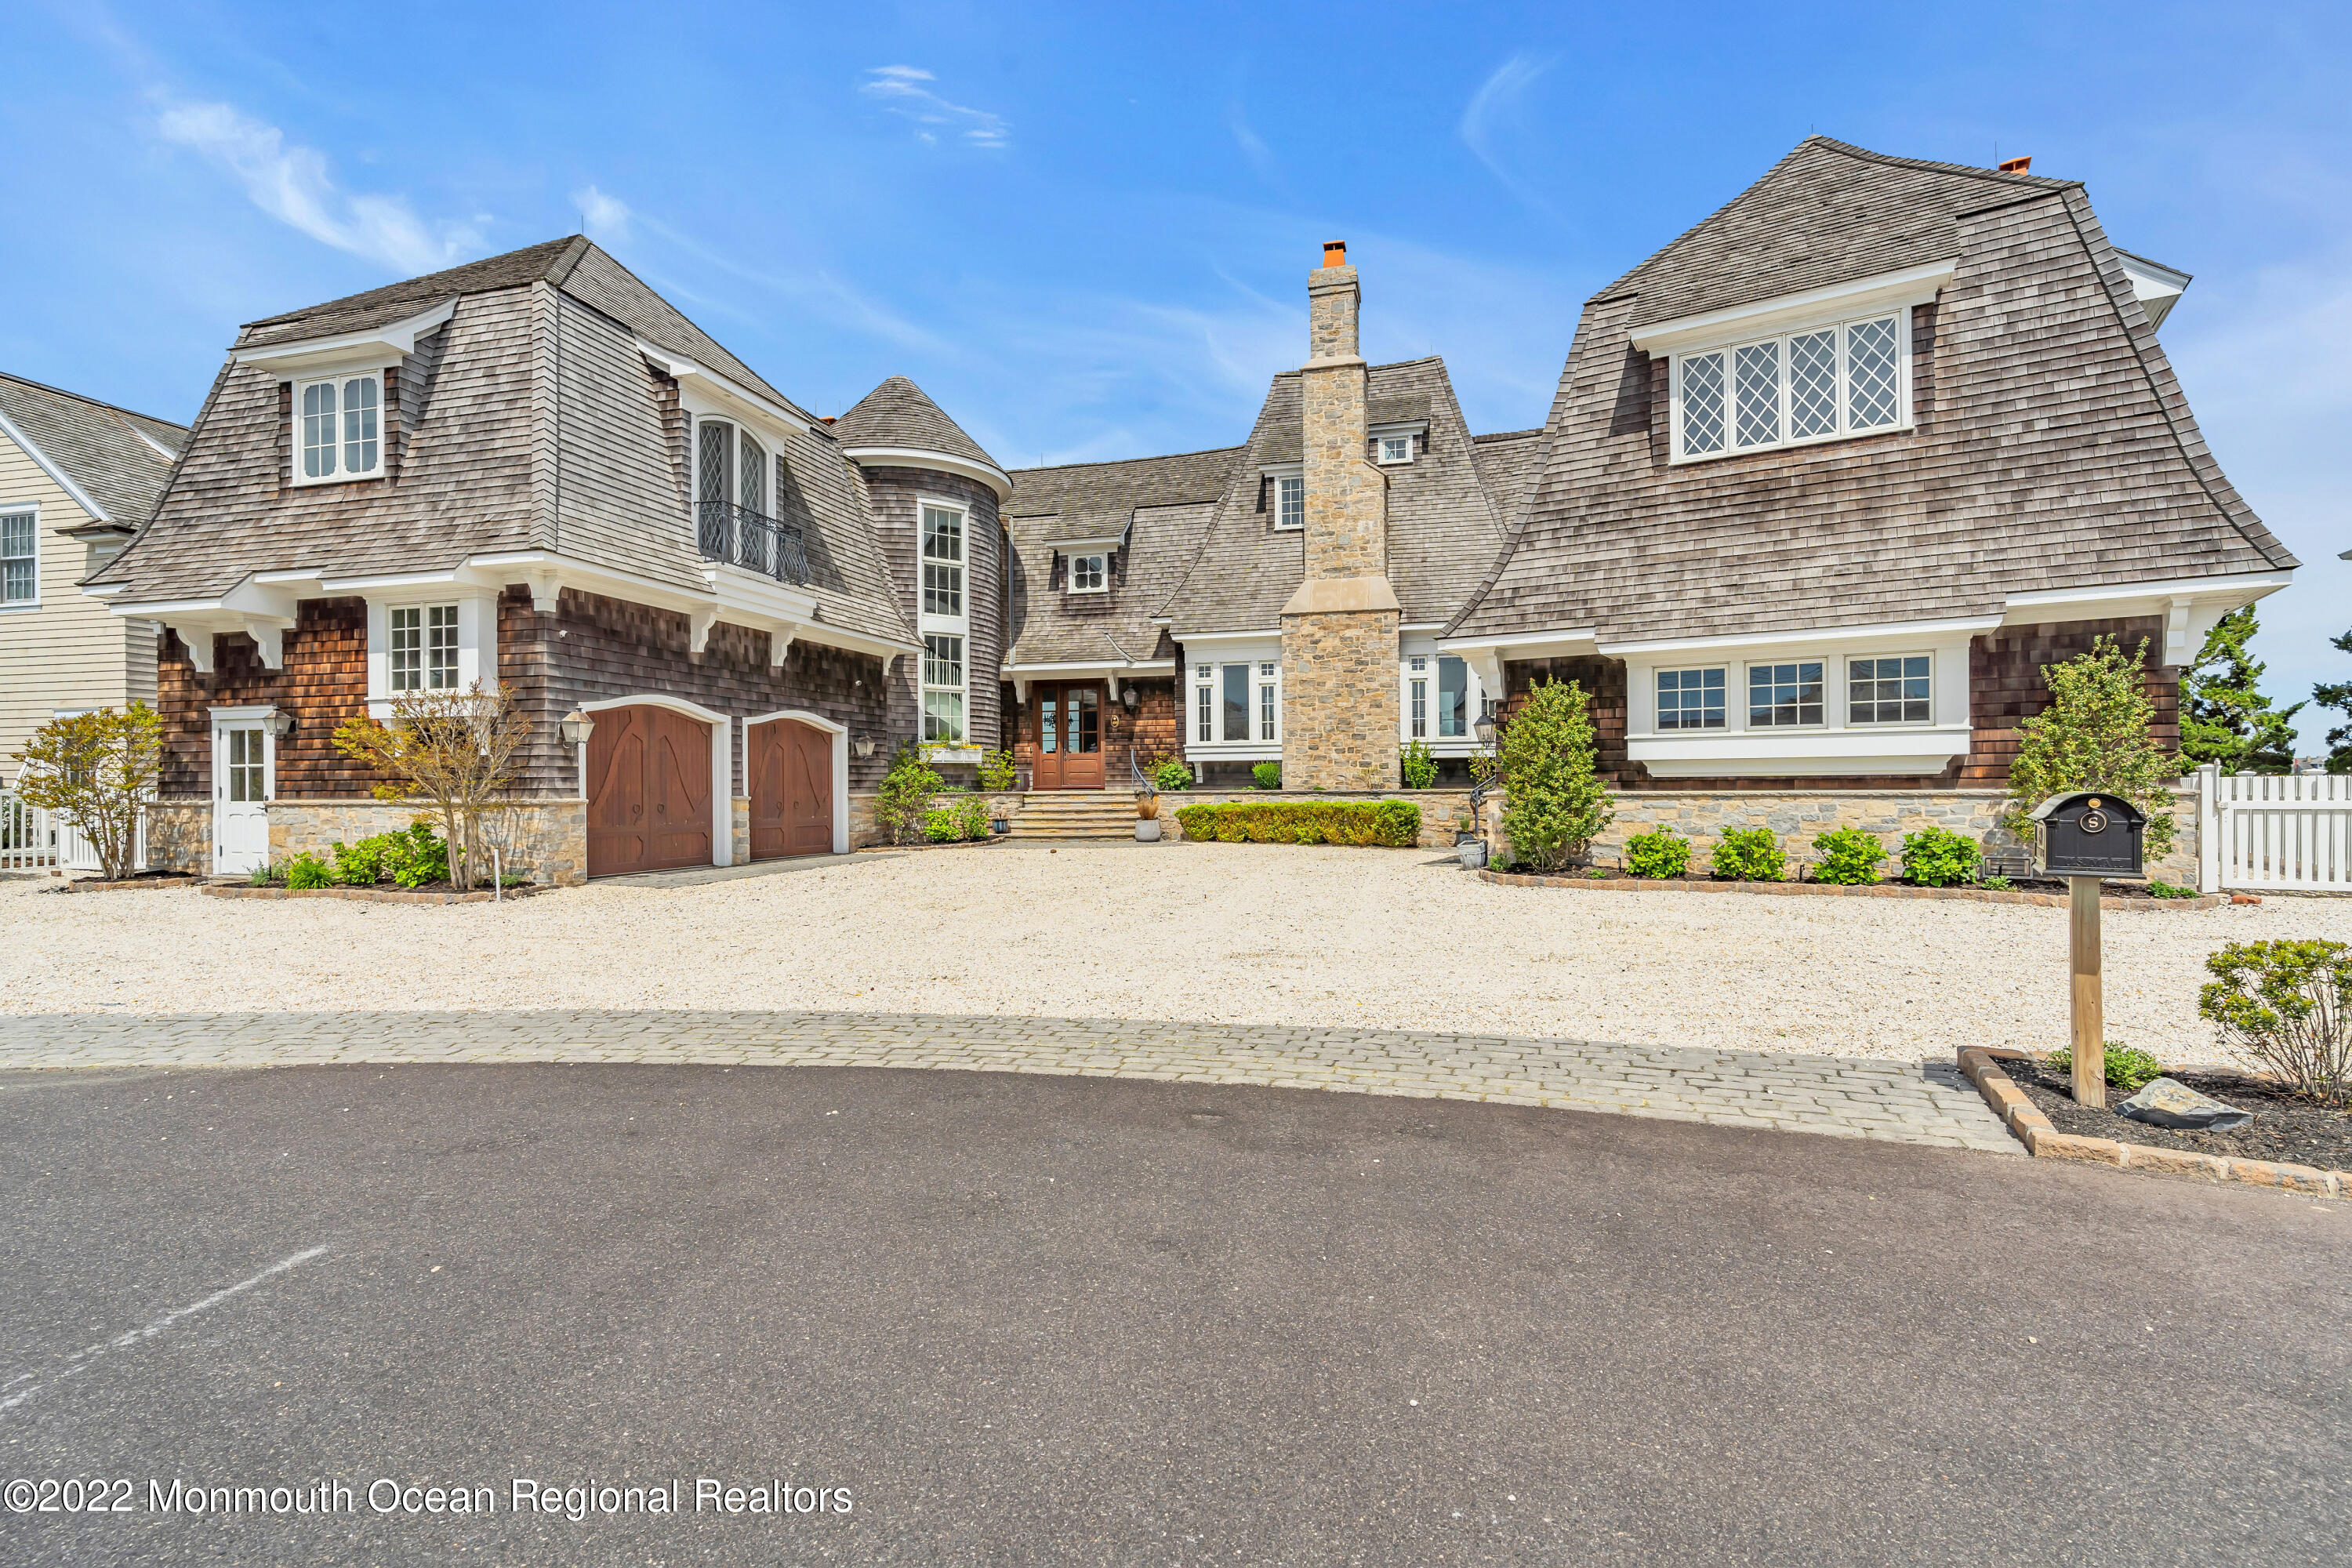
point(80, 1361)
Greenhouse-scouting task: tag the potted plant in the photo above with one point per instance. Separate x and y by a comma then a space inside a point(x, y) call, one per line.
point(1147, 816)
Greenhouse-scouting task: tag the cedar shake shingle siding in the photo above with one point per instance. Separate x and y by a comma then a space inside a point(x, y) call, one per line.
point(2053, 448)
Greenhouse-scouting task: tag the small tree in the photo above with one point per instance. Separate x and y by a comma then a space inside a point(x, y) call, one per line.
point(2224, 717)
point(2094, 736)
point(96, 769)
point(2337, 695)
point(1553, 803)
point(906, 795)
point(455, 749)
point(2287, 1005)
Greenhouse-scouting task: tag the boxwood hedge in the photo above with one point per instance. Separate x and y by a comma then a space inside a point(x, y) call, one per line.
point(1393, 822)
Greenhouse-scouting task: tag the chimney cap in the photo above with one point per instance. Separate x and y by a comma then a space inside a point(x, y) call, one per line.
point(2017, 165)
point(1335, 253)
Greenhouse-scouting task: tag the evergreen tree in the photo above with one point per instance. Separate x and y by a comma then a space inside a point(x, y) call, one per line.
point(2094, 736)
point(2224, 717)
point(2337, 695)
point(1554, 804)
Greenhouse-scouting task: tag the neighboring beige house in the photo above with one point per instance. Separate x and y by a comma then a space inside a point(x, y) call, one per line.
point(77, 480)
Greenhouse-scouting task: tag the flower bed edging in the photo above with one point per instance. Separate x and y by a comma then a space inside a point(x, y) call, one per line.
point(1826, 889)
point(357, 895)
point(92, 885)
point(1981, 1064)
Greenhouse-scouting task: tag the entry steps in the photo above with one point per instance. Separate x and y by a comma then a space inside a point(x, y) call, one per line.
point(1076, 813)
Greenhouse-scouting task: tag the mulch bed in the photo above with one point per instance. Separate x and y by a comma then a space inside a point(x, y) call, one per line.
point(2284, 1128)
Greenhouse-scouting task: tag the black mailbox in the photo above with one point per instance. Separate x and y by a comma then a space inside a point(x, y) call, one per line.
point(2088, 835)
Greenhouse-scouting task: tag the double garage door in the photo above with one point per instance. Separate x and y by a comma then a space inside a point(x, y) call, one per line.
point(649, 791)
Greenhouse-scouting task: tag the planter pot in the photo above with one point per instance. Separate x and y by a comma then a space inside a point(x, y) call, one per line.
point(999, 827)
point(1147, 830)
point(1472, 852)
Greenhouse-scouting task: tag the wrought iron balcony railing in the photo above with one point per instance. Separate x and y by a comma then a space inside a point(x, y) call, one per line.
point(738, 536)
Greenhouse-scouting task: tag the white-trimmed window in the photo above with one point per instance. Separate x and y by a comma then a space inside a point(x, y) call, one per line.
point(423, 652)
point(1826, 381)
point(1783, 695)
point(1088, 573)
point(942, 561)
point(1268, 700)
point(20, 558)
point(1290, 501)
point(1238, 702)
point(418, 643)
point(1394, 449)
point(1205, 703)
point(1897, 689)
point(338, 428)
point(943, 689)
point(1691, 698)
point(1417, 698)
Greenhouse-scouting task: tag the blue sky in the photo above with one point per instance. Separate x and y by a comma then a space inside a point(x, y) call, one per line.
point(1085, 229)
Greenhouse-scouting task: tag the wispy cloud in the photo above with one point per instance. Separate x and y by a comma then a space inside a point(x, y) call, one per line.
point(609, 218)
point(1254, 148)
point(901, 89)
point(291, 184)
point(1497, 106)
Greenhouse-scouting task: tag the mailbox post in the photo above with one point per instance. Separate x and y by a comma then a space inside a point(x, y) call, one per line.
point(2085, 837)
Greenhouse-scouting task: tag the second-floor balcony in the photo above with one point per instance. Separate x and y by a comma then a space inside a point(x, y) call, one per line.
point(737, 536)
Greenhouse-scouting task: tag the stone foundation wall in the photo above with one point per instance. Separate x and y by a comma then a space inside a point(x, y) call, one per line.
point(1340, 701)
point(865, 832)
point(180, 836)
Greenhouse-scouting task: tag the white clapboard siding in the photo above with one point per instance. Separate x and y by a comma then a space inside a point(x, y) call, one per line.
point(2264, 831)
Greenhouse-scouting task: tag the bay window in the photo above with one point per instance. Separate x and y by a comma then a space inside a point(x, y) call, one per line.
point(423, 652)
point(1784, 694)
point(1237, 703)
point(1840, 379)
point(1889, 690)
point(1690, 699)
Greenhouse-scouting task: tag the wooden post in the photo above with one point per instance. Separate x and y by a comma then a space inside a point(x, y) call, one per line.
point(2089, 1044)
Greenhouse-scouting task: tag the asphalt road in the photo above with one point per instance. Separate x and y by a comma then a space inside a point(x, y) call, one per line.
point(1037, 1320)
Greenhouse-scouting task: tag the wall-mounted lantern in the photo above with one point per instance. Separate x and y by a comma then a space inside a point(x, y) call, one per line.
point(280, 723)
point(577, 727)
point(1484, 728)
point(1129, 698)
point(863, 746)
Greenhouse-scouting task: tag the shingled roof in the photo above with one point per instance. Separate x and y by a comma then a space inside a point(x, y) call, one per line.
point(109, 454)
point(897, 414)
point(1160, 506)
point(2052, 446)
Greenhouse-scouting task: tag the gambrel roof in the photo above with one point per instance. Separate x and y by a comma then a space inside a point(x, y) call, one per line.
point(2052, 447)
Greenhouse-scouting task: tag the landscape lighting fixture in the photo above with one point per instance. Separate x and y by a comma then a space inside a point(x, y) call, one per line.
point(1486, 727)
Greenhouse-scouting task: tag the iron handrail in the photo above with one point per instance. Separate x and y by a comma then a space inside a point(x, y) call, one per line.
point(737, 536)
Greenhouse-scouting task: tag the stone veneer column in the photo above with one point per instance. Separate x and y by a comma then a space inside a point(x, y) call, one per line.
point(1340, 630)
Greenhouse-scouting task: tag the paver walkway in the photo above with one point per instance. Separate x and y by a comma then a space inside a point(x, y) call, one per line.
point(1843, 1097)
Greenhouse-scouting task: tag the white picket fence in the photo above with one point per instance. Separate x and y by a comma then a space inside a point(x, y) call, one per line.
point(28, 841)
point(2261, 832)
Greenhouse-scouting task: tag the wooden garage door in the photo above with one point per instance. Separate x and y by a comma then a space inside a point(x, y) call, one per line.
point(791, 764)
point(648, 792)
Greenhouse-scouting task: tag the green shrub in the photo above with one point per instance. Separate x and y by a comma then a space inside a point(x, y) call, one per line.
point(1938, 857)
point(1419, 767)
point(2095, 735)
point(999, 771)
point(360, 865)
point(263, 876)
point(2287, 1006)
point(2159, 887)
point(1998, 883)
point(901, 806)
point(940, 826)
point(1169, 774)
point(307, 870)
point(1395, 823)
point(416, 856)
point(971, 821)
point(2129, 1069)
point(1660, 853)
point(1748, 854)
point(1849, 856)
point(1267, 775)
point(1553, 804)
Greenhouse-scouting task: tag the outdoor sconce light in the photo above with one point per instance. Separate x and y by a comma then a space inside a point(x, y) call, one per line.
point(1129, 698)
point(280, 723)
point(863, 746)
point(1485, 729)
point(577, 727)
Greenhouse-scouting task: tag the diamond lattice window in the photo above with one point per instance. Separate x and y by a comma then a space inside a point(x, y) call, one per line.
point(1871, 365)
point(1755, 379)
point(1702, 378)
point(1817, 384)
point(1812, 384)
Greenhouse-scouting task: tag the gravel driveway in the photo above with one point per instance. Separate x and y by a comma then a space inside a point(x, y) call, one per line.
point(1225, 933)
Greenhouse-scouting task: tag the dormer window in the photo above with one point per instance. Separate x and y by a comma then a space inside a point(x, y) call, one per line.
point(1827, 381)
point(338, 429)
point(1088, 573)
point(1285, 495)
point(1396, 449)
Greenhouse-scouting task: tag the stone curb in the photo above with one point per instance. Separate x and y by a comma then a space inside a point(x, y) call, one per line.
point(1819, 889)
point(1982, 1065)
point(358, 895)
point(92, 885)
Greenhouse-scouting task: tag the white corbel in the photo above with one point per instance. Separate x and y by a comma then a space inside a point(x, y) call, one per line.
point(269, 636)
point(1020, 690)
point(780, 643)
point(1488, 663)
point(546, 591)
point(701, 621)
point(198, 641)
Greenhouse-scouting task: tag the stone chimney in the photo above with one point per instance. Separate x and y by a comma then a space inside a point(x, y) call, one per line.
point(1340, 630)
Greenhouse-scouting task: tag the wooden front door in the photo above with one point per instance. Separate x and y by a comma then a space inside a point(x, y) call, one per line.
point(791, 768)
point(1069, 736)
point(648, 791)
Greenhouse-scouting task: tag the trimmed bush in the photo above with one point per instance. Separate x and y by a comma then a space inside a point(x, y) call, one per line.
point(1419, 767)
point(940, 826)
point(2287, 1006)
point(1167, 773)
point(1748, 854)
point(1553, 802)
point(1660, 853)
point(1267, 775)
point(1395, 823)
point(1938, 857)
point(1849, 856)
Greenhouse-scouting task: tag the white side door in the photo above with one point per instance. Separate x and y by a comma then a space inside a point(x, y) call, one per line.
point(242, 785)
